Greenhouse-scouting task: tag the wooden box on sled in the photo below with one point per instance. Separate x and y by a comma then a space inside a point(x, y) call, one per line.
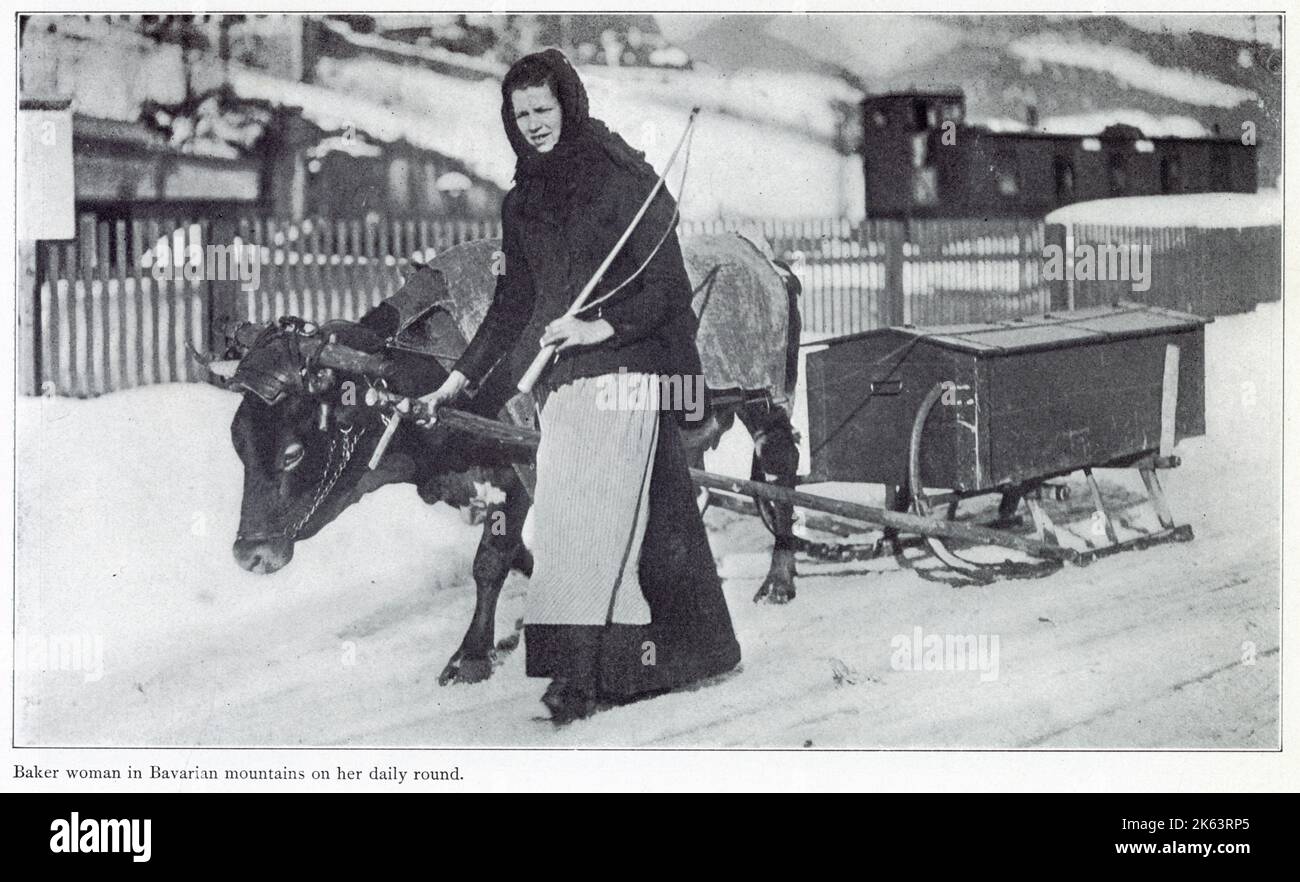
point(1029, 398)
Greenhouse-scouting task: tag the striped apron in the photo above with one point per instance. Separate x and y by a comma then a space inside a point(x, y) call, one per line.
point(592, 499)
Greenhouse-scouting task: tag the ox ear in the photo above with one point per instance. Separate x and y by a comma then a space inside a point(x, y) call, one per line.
point(241, 335)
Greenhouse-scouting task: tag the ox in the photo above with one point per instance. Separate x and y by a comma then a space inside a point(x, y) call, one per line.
point(306, 437)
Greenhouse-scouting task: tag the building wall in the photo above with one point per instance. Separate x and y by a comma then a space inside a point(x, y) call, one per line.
point(921, 160)
point(401, 182)
point(108, 176)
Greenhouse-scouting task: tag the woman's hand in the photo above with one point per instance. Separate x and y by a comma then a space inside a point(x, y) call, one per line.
point(567, 332)
point(452, 388)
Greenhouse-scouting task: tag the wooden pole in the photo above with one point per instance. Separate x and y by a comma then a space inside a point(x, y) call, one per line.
point(29, 319)
point(518, 436)
point(895, 306)
point(1058, 298)
point(1169, 401)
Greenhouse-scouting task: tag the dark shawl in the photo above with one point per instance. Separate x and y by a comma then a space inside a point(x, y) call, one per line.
point(567, 210)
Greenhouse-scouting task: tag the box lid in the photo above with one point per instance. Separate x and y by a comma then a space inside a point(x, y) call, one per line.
point(1059, 330)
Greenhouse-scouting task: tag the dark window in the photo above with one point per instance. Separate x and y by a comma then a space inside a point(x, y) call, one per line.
point(920, 114)
point(1117, 169)
point(1171, 176)
point(1063, 172)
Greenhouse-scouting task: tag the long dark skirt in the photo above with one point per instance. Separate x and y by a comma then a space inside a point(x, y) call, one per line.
point(690, 635)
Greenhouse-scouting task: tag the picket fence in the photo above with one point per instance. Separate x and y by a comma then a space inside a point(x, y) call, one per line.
point(122, 304)
point(1202, 271)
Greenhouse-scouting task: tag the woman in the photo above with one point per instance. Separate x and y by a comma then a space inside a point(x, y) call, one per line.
point(624, 598)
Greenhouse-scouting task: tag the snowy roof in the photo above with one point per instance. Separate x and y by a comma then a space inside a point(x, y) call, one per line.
point(1204, 210)
point(436, 54)
point(796, 172)
point(1095, 122)
point(452, 134)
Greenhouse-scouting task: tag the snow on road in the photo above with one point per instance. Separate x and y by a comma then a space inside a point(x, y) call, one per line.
point(127, 506)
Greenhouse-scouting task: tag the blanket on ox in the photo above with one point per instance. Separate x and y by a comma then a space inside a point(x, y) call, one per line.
point(736, 293)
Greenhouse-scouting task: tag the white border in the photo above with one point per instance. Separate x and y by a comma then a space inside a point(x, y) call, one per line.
point(690, 770)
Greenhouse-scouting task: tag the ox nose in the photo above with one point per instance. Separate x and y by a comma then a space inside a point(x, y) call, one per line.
point(261, 555)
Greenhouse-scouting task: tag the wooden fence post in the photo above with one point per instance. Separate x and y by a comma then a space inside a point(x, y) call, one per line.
point(29, 318)
point(223, 295)
point(1058, 289)
point(894, 299)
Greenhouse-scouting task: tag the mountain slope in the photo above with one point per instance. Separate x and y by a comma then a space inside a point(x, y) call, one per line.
point(1063, 66)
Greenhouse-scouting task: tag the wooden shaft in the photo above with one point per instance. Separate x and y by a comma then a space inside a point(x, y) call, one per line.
point(536, 369)
point(328, 354)
point(345, 358)
point(482, 427)
point(381, 448)
point(543, 359)
point(528, 438)
point(899, 520)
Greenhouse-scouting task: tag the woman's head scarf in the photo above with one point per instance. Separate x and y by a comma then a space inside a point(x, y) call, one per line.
point(547, 182)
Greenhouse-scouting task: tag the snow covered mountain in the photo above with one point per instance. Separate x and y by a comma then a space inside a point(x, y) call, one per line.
point(1183, 75)
point(786, 87)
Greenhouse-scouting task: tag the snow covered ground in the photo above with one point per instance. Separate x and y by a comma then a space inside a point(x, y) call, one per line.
point(127, 505)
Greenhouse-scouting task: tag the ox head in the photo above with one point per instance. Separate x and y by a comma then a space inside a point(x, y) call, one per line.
point(303, 431)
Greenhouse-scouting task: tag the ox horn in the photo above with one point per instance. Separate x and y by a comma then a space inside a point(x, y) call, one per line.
point(222, 368)
point(241, 336)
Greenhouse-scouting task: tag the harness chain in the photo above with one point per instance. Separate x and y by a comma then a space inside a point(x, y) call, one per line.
point(329, 477)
